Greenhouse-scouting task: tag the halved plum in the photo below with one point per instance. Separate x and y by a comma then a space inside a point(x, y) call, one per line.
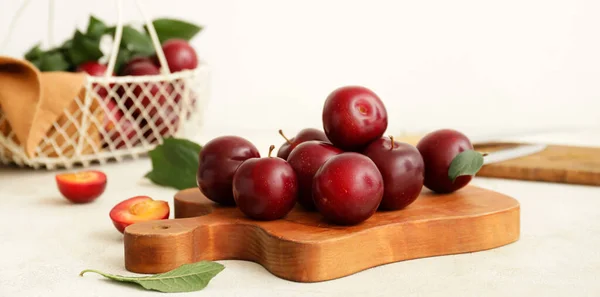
point(138, 209)
point(81, 187)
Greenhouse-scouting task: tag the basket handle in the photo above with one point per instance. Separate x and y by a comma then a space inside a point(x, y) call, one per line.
point(17, 16)
point(164, 66)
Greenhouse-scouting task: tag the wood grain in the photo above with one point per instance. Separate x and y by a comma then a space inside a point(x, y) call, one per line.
point(558, 164)
point(303, 247)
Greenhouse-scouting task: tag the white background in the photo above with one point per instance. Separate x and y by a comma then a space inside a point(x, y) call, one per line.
point(474, 65)
point(482, 66)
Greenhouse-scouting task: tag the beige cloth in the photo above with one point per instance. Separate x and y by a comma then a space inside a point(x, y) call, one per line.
point(32, 101)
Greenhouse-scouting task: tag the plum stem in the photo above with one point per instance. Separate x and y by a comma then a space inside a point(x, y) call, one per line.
point(392, 142)
point(271, 148)
point(283, 135)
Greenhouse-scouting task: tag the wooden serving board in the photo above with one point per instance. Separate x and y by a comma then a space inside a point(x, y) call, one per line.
point(303, 247)
point(556, 164)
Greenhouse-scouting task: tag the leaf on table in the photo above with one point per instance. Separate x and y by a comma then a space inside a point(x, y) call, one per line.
point(466, 163)
point(185, 278)
point(84, 49)
point(175, 163)
point(171, 28)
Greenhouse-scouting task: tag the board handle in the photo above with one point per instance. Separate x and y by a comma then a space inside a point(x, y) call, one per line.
point(163, 245)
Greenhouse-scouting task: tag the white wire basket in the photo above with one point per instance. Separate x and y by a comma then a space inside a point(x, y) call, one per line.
point(119, 117)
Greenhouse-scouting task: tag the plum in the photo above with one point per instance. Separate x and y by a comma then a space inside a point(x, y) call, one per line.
point(439, 149)
point(353, 117)
point(348, 188)
point(265, 188)
point(218, 161)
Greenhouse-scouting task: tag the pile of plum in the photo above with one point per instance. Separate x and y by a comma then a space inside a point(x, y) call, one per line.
point(346, 172)
point(149, 104)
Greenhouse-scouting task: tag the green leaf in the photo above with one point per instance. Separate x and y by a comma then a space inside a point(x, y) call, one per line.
point(84, 49)
point(67, 44)
point(171, 28)
point(135, 41)
point(123, 57)
point(96, 28)
point(133, 44)
point(466, 163)
point(175, 163)
point(37, 63)
point(53, 61)
point(34, 53)
point(185, 278)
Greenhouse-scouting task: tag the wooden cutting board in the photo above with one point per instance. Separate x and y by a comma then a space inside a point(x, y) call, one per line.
point(303, 247)
point(557, 163)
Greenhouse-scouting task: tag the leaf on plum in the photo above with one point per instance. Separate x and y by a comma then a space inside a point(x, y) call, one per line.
point(466, 163)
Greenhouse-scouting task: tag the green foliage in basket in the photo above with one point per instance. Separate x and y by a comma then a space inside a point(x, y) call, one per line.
point(85, 46)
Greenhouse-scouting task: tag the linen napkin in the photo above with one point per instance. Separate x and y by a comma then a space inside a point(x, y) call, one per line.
point(34, 104)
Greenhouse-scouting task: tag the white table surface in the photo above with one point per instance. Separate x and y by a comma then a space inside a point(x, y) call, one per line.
point(45, 242)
